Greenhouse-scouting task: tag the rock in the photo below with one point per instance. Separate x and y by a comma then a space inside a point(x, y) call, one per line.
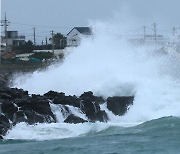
point(74, 119)
point(4, 124)
point(8, 108)
point(89, 107)
point(39, 106)
point(18, 93)
point(67, 100)
point(52, 95)
point(119, 105)
point(5, 96)
point(16, 106)
point(89, 96)
point(99, 116)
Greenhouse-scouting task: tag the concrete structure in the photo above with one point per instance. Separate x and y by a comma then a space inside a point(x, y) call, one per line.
point(75, 35)
point(13, 39)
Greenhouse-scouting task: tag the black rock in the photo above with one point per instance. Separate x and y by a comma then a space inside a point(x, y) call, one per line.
point(8, 108)
point(4, 124)
point(5, 96)
point(67, 100)
point(89, 96)
point(52, 95)
point(74, 119)
point(89, 107)
point(99, 116)
point(119, 105)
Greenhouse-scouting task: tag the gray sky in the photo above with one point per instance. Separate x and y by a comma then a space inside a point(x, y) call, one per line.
point(62, 15)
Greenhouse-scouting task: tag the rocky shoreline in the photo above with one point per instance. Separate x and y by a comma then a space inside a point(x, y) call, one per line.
point(16, 106)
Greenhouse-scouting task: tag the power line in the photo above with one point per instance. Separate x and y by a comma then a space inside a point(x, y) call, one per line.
point(47, 26)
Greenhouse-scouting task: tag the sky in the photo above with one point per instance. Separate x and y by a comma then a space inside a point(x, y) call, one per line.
point(63, 15)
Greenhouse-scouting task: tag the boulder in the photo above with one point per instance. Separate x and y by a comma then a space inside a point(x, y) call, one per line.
point(99, 116)
point(4, 124)
point(119, 105)
point(74, 119)
point(90, 106)
point(90, 96)
point(52, 95)
point(9, 108)
point(67, 100)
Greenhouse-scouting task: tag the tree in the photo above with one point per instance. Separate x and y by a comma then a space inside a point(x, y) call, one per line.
point(28, 47)
point(59, 41)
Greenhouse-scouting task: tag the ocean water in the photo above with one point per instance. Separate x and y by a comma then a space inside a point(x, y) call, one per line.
point(156, 136)
point(108, 65)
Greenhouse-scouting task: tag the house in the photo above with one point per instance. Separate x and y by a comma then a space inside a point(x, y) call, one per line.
point(13, 39)
point(75, 35)
point(8, 55)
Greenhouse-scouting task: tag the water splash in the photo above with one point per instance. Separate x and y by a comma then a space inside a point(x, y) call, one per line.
point(109, 66)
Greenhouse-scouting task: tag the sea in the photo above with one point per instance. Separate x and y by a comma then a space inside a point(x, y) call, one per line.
point(109, 65)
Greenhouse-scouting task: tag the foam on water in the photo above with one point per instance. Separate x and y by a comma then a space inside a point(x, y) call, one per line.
point(109, 66)
point(53, 131)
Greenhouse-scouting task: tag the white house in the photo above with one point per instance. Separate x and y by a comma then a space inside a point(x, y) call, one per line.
point(75, 35)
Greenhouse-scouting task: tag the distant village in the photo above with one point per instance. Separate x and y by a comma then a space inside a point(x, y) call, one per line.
point(16, 50)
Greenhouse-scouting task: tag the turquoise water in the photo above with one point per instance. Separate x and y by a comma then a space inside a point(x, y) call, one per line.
point(155, 136)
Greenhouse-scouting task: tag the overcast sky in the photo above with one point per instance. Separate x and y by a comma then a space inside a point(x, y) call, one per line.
point(62, 15)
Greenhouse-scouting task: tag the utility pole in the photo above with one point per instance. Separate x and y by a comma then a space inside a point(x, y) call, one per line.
point(155, 32)
point(144, 28)
point(46, 41)
point(34, 29)
point(52, 33)
point(5, 23)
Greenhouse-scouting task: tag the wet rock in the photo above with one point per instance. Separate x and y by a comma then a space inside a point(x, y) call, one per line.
point(8, 108)
point(74, 119)
point(5, 96)
point(90, 96)
point(119, 105)
point(90, 105)
point(39, 106)
point(4, 124)
point(52, 95)
point(99, 116)
point(18, 93)
point(67, 100)
point(16, 106)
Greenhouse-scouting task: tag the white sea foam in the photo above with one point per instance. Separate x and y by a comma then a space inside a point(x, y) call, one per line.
point(53, 131)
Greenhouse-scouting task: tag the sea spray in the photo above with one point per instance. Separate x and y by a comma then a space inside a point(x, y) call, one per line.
point(109, 65)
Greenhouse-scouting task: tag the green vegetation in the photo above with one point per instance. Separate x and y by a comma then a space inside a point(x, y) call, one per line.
point(28, 47)
point(59, 43)
point(42, 55)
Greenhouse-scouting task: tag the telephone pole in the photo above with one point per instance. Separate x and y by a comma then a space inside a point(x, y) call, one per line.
point(155, 32)
point(34, 34)
point(52, 33)
point(5, 23)
point(46, 41)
